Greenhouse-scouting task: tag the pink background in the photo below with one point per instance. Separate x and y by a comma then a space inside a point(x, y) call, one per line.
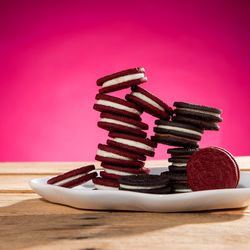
point(52, 52)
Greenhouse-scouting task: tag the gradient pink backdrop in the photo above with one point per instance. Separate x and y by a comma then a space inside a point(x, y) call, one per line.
point(52, 52)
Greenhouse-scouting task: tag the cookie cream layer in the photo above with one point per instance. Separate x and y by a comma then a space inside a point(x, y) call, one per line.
point(102, 187)
point(111, 155)
point(184, 130)
point(200, 111)
point(179, 164)
point(122, 79)
point(116, 172)
point(59, 183)
point(140, 187)
point(182, 190)
point(118, 106)
point(133, 144)
point(148, 100)
point(108, 120)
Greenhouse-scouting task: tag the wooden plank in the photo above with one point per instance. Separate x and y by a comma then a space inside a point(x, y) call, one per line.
point(53, 168)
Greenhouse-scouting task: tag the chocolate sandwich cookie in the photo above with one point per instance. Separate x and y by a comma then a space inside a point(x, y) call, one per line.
point(212, 168)
point(115, 172)
point(206, 125)
point(181, 152)
point(131, 143)
point(116, 123)
point(178, 164)
point(150, 103)
point(204, 113)
point(74, 177)
point(121, 80)
point(106, 183)
point(116, 156)
point(180, 187)
point(115, 105)
point(154, 184)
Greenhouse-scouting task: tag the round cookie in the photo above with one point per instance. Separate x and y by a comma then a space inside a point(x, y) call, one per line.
point(178, 129)
point(115, 156)
point(106, 183)
point(206, 125)
point(122, 124)
point(173, 140)
point(145, 183)
point(121, 80)
point(150, 103)
point(74, 177)
point(181, 152)
point(204, 113)
point(118, 171)
point(131, 143)
point(115, 105)
point(212, 168)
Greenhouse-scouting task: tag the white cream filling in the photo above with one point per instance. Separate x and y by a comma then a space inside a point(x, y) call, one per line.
point(179, 164)
point(102, 187)
point(111, 155)
point(182, 190)
point(112, 171)
point(200, 111)
point(122, 79)
point(134, 144)
point(140, 187)
point(148, 100)
point(184, 130)
point(118, 122)
point(59, 183)
point(117, 106)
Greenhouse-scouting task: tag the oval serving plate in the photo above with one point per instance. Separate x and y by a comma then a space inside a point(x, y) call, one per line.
point(85, 197)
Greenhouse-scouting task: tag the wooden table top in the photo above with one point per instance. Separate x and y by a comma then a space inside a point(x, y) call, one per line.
point(29, 222)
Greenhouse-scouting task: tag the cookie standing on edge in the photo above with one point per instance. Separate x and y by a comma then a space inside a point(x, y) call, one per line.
point(212, 168)
point(153, 184)
point(131, 143)
point(121, 80)
point(150, 103)
point(115, 105)
point(74, 177)
point(118, 123)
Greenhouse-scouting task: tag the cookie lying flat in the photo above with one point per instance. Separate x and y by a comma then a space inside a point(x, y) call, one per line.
point(106, 183)
point(155, 184)
point(115, 156)
point(122, 124)
point(115, 172)
point(206, 125)
point(131, 143)
point(150, 103)
point(181, 152)
point(178, 129)
point(115, 105)
point(212, 168)
point(121, 80)
point(181, 187)
point(74, 177)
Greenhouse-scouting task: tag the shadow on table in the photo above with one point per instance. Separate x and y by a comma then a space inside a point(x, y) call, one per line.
point(37, 222)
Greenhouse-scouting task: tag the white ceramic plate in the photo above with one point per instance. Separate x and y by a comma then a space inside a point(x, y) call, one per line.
point(87, 198)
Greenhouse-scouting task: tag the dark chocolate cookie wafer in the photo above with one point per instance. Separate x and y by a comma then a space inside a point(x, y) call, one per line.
point(115, 105)
point(204, 113)
point(150, 103)
point(106, 183)
point(121, 80)
point(212, 168)
point(131, 143)
point(145, 183)
point(116, 123)
point(116, 156)
point(181, 152)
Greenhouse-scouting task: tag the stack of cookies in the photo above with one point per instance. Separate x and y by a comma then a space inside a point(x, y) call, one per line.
point(127, 146)
point(184, 132)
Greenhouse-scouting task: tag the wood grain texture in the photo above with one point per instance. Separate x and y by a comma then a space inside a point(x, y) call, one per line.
point(29, 222)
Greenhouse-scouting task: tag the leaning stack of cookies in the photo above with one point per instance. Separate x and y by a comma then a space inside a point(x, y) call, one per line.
point(184, 132)
point(126, 148)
